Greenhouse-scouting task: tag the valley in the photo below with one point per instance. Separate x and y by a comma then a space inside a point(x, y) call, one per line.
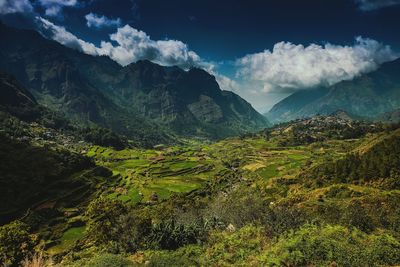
point(127, 138)
point(179, 204)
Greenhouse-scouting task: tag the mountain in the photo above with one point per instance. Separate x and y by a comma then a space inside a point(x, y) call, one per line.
point(390, 117)
point(15, 99)
point(140, 99)
point(188, 102)
point(61, 79)
point(366, 96)
point(12, 94)
point(285, 109)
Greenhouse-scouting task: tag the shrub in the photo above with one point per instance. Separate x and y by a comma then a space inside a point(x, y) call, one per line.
point(239, 208)
point(315, 245)
point(357, 216)
point(235, 248)
point(105, 260)
point(187, 256)
point(103, 214)
point(113, 225)
point(15, 243)
point(171, 235)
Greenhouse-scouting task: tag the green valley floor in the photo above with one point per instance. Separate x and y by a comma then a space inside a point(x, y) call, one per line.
point(266, 199)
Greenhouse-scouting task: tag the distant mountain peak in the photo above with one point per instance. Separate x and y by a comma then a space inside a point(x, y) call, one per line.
point(366, 96)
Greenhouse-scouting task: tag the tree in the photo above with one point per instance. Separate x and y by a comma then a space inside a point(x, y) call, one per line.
point(113, 224)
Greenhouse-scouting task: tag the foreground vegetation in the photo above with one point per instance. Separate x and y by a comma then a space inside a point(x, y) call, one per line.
point(289, 196)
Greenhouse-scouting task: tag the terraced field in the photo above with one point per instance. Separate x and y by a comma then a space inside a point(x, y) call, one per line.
point(148, 175)
point(68, 239)
point(151, 175)
point(229, 166)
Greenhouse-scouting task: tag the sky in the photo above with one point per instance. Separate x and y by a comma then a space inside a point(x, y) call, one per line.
point(263, 50)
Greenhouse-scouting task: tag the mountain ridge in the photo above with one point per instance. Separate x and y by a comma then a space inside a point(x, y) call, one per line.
point(96, 90)
point(367, 96)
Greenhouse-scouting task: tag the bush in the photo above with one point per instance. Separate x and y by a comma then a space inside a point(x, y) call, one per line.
point(315, 245)
point(171, 235)
point(187, 256)
point(113, 225)
point(106, 260)
point(15, 243)
point(239, 207)
point(245, 206)
point(103, 215)
point(235, 248)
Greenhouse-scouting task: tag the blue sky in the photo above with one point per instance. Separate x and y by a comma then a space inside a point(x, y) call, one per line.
point(262, 50)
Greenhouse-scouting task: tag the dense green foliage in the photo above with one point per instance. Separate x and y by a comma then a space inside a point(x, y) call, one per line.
point(32, 174)
point(367, 164)
point(321, 128)
point(16, 243)
point(267, 199)
point(326, 245)
point(103, 137)
point(105, 260)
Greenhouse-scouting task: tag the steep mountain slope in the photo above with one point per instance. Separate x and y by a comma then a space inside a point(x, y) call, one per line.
point(134, 100)
point(285, 109)
point(16, 100)
point(12, 94)
point(58, 78)
point(367, 96)
point(189, 102)
point(31, 175)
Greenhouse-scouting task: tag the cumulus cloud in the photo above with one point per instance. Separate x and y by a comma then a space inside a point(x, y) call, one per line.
point(15, 6)
point(226, 83)
point(61, 35)
point(285, 69)
point(368, 5)
point(132, 45)
point(289, 67)
point(97, 21)
point(53, 7)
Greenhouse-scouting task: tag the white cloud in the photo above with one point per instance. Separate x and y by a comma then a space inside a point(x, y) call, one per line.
point(291, 67)
point(226, 83)
point(368, 5)
point(53, 7)
point(15, 6)
point(261, 77)
point(97, 21)
point(132, 45)
point(61, 35)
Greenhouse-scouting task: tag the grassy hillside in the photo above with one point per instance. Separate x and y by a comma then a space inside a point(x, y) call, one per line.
point(271, 199)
